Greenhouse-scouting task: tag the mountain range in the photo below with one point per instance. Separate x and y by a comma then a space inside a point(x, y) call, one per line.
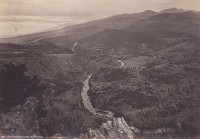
point(144, 69)
point(114, 22)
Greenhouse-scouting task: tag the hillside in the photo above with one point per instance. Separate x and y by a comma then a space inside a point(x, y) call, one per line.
point(143, 70)
point(41, 82)
point(82, 30)
point(159, 93)
point(158, 87)
point(147, 35)
point(119, 42)
point(187, 22)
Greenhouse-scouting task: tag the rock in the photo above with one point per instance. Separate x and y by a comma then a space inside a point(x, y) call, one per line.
point(114, 129)
point(21, 120)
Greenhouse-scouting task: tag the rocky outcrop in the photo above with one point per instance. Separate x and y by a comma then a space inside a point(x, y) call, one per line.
point(114, 129)
point(21, 120)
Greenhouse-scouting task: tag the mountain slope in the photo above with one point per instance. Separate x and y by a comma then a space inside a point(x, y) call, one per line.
point(116, 22)
point(53, 76)
point(188, 22)
point(115, 41)
point(148, 35)
point(156, 90)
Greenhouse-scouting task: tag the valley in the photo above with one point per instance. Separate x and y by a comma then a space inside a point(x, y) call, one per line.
point(131, 76)
point(86, 99)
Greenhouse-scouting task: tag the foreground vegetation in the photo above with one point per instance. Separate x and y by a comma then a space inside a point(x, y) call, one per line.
point(39, 97)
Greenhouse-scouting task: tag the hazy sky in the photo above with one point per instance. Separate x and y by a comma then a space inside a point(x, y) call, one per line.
point(18, 17)
point(97, 8)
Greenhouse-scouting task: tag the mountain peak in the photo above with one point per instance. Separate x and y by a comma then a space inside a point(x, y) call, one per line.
point(172, 10)
point(149, 11)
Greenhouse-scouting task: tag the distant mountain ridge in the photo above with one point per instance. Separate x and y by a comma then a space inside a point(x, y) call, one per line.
point(147, 35)
point(172, 10)
point(114, 22)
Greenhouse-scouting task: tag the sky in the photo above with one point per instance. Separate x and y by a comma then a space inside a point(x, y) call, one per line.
point(44, 14)
point(89, 7)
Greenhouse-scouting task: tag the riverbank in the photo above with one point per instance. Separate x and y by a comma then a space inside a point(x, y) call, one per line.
point(86, 99)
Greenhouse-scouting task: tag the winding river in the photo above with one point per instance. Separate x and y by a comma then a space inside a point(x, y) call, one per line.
point(86, 99)
point(88, 106)
point(84, 94)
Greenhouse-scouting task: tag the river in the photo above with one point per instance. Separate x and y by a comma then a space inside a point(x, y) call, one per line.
point(88, 106)
point(84, 94)
point(86, 99)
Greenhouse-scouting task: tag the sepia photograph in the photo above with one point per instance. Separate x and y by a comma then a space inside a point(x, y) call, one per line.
point(100, 69)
